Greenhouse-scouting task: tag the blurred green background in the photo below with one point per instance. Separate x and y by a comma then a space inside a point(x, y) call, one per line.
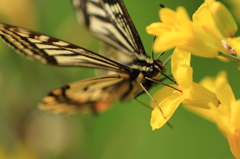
point(121, 132)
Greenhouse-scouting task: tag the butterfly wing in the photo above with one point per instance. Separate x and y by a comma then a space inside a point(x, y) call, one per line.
point(88, 96)
point(49, 50)
point(113, 26)
point(110, 21)
point(111, 52)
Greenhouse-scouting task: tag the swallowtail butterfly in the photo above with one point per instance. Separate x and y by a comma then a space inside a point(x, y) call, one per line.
point(133, 74)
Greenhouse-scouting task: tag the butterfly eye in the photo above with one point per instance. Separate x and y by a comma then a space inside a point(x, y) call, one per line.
point(153, 71)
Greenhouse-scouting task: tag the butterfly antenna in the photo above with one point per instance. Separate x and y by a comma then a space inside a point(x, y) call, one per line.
point(170, 78)
point(167, 60)
point(160, 54)
point(156, 81)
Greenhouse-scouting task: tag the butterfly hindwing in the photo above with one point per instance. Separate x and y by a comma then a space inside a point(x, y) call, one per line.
point(110, 21)
point(88, 96)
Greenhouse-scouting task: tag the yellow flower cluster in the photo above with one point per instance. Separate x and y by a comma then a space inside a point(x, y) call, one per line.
point(206, 35)
point(210, 35)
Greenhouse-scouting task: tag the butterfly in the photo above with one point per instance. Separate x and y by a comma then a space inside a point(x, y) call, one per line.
point(128, 73)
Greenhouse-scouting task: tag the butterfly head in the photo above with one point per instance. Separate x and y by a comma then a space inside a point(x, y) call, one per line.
point(155, 69)
point(149, 67)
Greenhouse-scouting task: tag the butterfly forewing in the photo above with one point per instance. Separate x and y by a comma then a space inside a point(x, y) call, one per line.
point(110, 21)
point(53, 51)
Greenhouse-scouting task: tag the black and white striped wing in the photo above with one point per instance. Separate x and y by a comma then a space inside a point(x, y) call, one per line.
point(49, 50)
point(110, 21)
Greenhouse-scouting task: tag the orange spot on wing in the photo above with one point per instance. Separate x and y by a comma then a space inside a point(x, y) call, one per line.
point(48, 99)
point(102, 105)
point(57, 91)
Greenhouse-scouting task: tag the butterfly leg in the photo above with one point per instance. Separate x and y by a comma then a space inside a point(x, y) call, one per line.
point(168, 77)
point(155, 102)
point(159, 82)
point(141, 101)
point(145, 91)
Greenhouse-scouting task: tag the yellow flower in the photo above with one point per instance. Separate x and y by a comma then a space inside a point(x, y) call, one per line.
point(187, 92)
point(212, 23)
point(226, 115)
point(234, 45)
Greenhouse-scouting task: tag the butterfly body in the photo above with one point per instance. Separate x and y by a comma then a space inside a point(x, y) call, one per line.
point(128, 70)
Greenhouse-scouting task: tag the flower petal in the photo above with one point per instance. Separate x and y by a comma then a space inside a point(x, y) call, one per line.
point(199, 96)
point(205, 113)
point(161, 94)
point(203, 16)
point(223, 19)
point(168, 107)
point(225, 95)
point(156, 29)
point(171, 17)
point(234, 142)
point(166, 42)
point(235, 111)
point(212, 83)
point(179, 57)
point(183, 77)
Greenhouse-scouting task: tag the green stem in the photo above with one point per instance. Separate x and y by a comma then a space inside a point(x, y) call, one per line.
point(230, 57)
